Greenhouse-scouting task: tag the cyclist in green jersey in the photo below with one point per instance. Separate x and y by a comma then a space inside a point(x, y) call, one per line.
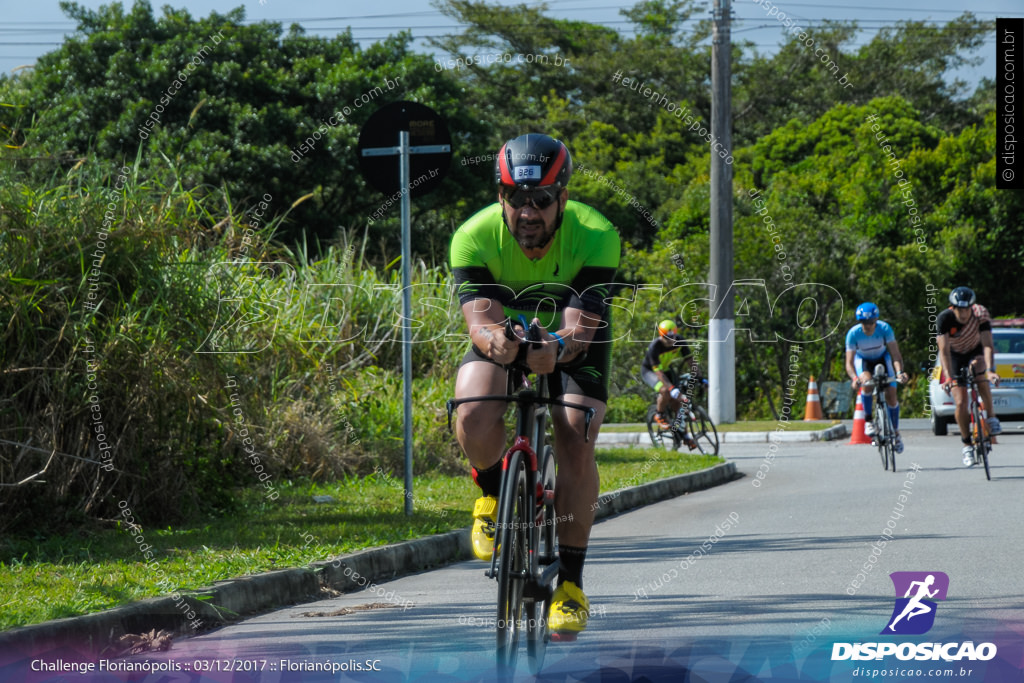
point(536, 253)
point(665, 348)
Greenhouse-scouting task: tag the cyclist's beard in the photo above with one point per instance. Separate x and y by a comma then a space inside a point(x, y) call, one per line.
point(539, 236)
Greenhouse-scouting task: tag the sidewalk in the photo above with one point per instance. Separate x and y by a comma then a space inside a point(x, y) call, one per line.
point(641, 438)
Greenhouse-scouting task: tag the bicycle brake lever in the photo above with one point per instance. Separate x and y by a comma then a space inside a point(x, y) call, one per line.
point(451, 406)
point(586, 429)
point(533, 333)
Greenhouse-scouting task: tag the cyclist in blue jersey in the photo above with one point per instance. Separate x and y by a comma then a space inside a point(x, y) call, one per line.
point(869, 342)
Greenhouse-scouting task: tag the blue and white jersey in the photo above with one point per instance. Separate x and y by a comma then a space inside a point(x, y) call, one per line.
point(870, 347)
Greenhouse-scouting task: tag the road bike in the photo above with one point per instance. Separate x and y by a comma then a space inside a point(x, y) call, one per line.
point(525, 558)
point(885, 433)
point(692, 424)
point(981, 440)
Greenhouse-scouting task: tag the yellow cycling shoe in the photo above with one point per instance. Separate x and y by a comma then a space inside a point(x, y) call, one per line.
point(485, 516)
point(569, 612)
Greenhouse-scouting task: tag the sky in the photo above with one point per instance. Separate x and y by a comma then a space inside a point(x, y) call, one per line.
point(30, 29)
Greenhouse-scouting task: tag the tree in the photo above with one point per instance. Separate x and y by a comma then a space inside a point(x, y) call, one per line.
point(250, 108)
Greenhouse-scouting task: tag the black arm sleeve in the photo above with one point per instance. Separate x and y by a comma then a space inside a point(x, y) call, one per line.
point(477, 282)
point(592, 285)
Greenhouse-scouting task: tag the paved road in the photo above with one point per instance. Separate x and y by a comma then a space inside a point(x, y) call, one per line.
point(782, 565)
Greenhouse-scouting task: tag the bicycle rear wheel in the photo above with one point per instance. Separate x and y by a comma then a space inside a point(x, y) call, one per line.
point(512, 527)
point(703, 431)
point(546, 540)
point(654, 430)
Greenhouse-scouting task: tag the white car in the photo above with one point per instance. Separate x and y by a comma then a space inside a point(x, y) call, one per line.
point(1008, 397)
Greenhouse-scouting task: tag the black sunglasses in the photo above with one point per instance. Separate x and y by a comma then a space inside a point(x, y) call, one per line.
point(538, 199)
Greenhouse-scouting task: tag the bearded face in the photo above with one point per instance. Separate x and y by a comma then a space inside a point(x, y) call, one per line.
point(532, 227)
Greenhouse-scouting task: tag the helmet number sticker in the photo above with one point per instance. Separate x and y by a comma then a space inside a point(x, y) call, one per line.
point(527, 173)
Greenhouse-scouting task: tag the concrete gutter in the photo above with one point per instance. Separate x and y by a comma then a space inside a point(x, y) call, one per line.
point(227, 601)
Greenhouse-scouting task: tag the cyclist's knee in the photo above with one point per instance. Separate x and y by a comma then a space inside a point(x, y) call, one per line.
point(570, 437)
point(475, 418)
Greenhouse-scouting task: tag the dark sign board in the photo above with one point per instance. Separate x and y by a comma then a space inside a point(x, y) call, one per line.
point(426, 129)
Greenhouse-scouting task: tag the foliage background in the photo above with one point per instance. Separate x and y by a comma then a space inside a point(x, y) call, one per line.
point(319, 408)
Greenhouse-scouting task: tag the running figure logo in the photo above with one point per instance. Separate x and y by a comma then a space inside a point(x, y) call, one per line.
point(918, 589)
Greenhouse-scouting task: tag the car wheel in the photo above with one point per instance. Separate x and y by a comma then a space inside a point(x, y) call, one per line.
point(939, 425)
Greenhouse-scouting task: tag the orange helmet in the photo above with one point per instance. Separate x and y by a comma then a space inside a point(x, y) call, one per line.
point(667, 327)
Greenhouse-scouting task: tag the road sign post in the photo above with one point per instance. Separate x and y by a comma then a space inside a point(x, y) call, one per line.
point(398, 117)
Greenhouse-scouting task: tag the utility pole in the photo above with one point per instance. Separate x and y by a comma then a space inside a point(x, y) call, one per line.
point(721, 340)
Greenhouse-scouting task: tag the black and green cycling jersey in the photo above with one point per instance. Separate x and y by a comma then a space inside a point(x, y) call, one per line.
point(577, 270)
point(662, 352)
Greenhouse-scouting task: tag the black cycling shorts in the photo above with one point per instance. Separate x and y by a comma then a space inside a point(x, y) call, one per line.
point(963, 360)
point(586, 375)
point(651, 379)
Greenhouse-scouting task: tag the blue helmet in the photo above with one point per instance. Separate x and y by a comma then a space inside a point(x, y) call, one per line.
point(867, 311)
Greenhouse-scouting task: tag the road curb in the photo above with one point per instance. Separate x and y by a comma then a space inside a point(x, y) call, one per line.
point(225, 601)
point(633, 497)
point(641, 438)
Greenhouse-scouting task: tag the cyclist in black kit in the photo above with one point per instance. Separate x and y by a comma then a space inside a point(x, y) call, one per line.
point(965, 340)
point(657, 375)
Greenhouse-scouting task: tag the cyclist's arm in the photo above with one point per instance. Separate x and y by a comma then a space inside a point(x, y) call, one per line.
point(580, 328)
point(945, 358)
point(851, 371)
point(894, 352)
point(943, 325)
point(591, 287)
point(486, 321)
point(989, 351)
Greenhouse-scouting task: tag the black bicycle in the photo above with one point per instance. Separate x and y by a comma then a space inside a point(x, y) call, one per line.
point(981, 440)
point(525, 558)
point(692, 424)
point(885, 434)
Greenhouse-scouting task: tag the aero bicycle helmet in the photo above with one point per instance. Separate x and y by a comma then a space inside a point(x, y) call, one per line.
point(532, 161)
point(667, 327)
point(962, 297)
point(867, 311)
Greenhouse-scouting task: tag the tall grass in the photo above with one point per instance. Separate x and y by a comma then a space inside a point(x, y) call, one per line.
point(149, 361)
point(210, 356)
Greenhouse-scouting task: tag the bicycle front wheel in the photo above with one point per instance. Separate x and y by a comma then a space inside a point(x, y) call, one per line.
point(702, 429)
point(984, 457)
point(654, 430)
point(880, 439)
point(983, 442)
point(890, 439)
point(890, 446)
point(537, 609)
point(512, 527)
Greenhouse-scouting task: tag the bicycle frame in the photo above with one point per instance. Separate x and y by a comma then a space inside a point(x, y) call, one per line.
point(685, 412)
point(885, 435)
point(531, 425)
point(691, 425)
point(529, 586)
point(977, 417)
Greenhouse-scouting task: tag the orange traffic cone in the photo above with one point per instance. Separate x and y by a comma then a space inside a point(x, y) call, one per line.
point(812, 411)
point(859, 436)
